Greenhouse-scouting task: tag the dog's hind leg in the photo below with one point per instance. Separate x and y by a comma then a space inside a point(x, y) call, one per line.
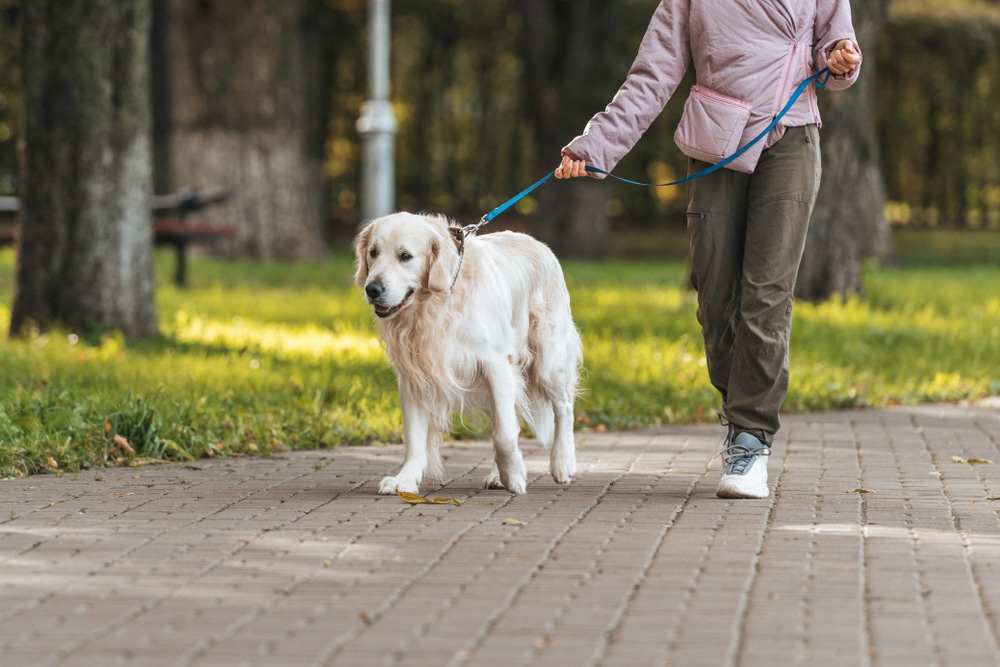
point(509, 462)
point(562, 458)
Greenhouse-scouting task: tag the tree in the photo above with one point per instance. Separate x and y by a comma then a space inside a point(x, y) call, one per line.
point(242, 113)
point(566, 55)
point(85, 249)
point(848, 224)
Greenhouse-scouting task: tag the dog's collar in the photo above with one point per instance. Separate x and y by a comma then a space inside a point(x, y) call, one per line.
point(460, 234)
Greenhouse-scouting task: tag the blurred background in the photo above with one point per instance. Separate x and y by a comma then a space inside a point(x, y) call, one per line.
point(263, 98)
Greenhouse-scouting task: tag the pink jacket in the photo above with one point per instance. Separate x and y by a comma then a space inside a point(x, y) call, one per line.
point(749, 55)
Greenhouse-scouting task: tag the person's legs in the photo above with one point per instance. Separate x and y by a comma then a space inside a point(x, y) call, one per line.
point(747, 234)
point(716, 233)
point(781, 197)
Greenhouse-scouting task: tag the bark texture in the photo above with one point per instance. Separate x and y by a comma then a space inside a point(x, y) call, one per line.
point(570, 77)
point(84, 256)
point(237, 87)
point(848, 224)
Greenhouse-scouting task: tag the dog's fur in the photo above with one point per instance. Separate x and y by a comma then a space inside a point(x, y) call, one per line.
point(501, 339)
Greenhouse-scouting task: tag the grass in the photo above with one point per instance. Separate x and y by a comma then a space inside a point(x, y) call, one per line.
point(259, 358)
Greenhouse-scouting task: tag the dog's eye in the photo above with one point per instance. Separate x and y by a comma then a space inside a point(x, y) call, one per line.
point(373, 253)
point(405, 256)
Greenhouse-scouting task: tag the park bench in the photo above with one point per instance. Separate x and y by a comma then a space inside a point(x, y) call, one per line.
point(173, 219)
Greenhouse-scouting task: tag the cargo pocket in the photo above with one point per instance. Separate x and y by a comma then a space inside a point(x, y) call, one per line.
point(712, 125)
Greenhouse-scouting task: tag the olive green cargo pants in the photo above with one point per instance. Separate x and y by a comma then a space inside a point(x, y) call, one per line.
point(747, 233)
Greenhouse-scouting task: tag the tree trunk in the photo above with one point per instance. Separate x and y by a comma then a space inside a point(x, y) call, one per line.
point(237, 76)
point(84, 256)
point(569, 79)
point(848, 224)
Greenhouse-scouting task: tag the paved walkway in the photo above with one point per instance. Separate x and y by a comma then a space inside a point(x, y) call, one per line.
point(879, 546)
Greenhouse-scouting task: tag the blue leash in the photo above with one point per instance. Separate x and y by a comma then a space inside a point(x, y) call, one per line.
point(719, 165)
point(819, 77)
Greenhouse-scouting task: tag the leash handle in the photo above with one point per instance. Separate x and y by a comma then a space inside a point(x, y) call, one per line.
point(819, 77)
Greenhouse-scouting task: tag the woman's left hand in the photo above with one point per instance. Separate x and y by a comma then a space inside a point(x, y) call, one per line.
point(843, 57)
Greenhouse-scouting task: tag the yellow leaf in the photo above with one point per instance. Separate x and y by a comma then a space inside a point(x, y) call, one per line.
point(416, 499)
point(178, 450)
point(52, 463)
point(412, 498)
point(123, 444)
point(975, 462)
point(446, 501)
point(513, 522)
point(107, 428)
point(957, 459)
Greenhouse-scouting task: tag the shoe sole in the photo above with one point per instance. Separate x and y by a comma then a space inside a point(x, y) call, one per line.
point(728, 490)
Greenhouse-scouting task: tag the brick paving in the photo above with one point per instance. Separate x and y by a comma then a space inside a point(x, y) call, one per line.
point(879, 546)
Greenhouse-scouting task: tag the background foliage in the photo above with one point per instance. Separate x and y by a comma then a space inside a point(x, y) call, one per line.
point(464, 144)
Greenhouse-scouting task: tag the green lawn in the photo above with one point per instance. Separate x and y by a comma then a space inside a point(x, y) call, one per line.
point(256, 358)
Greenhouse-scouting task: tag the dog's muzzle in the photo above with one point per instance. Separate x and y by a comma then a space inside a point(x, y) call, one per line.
point(376, 293)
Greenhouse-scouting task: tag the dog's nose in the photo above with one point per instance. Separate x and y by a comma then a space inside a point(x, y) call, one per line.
point(374, 290)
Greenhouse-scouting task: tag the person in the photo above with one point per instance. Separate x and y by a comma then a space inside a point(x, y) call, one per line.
point(746, 222)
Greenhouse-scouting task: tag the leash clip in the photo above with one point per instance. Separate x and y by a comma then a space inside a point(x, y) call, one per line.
point(460, 234)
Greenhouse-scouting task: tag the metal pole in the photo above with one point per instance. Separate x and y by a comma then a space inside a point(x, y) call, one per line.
point(377, 125)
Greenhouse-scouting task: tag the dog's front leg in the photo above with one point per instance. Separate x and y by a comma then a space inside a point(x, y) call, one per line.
point(508, 460)
point(416, 422)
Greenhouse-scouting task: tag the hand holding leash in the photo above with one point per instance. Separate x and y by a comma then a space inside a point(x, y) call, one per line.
point(571, 168)
point(843, 58)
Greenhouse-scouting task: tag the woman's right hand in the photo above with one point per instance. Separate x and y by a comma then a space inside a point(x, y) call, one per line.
point(570, 168)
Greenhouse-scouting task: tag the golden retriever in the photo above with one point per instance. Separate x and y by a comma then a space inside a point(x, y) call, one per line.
point(489, 328)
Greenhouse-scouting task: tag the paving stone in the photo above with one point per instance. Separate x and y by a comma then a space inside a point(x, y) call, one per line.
point(878, 546)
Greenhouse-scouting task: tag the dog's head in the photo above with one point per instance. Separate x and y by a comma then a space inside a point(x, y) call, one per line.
point(402, 258)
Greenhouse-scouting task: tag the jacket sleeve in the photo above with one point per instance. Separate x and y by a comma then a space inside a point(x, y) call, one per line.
point(663, 57)
point(833, 23)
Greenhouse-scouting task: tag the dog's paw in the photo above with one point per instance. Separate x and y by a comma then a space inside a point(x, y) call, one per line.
point(563, 471)
point(515, 479)
point(393, 485)
point(492, 481)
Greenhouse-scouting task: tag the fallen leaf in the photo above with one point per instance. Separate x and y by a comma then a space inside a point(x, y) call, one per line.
point(976, 462)
point(417, 499)
point(513, 522)
point(178, 450)
point(52, 463)
point(992, 497)
point(859, 491)
point(957, 459)
point(123, 444)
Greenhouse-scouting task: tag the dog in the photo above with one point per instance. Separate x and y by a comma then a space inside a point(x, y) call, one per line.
point(472, 322)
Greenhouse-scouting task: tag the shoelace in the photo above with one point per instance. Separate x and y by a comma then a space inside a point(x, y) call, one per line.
point(723, 421)
point(737, 458)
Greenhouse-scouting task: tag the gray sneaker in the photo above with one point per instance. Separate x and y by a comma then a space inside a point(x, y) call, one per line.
point(745, 474)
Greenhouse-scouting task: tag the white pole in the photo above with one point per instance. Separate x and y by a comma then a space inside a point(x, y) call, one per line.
point(377, 125)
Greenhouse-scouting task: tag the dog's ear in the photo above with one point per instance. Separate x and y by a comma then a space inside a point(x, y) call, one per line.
point(361, 255)
point(444, 261)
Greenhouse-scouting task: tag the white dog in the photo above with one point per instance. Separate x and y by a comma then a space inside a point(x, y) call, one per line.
point(490, 328)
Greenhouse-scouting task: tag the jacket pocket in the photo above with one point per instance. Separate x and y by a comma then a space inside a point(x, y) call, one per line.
point(712, 125)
